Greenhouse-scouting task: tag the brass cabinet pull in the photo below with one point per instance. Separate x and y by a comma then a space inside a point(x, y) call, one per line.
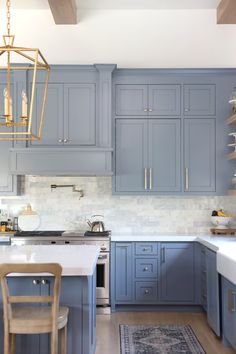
point(145, 178)
point(231, 304)
point(186, 179)
point(150, 178)
point(163, 256)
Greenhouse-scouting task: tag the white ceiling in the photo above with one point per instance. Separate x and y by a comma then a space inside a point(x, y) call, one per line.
point(121, 4)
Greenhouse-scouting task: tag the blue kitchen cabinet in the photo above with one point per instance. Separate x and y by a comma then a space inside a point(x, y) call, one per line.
point(199, 155)
point(131, 155)
point(81, 300)
point(164, 148)
point(229, 312)
point(70, 116)
point(147, 155)
point(199, 100)
point(52, 131)
point(147, 100)
point(123, 269)
point(177, 273)
point(203, 278)
point(213, 292)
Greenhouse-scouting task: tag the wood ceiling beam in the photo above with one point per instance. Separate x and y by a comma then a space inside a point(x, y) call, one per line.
point(64, 11)
point(226, 12)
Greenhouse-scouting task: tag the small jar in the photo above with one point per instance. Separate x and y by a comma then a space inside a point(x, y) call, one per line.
point(3, 226)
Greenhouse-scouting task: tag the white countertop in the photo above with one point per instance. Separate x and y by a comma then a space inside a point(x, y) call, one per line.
point(79, 260)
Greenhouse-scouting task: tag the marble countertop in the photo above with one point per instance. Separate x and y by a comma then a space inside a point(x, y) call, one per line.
point(79, 260)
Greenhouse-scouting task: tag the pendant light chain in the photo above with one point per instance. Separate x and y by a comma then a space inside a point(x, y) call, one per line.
point(8, 5)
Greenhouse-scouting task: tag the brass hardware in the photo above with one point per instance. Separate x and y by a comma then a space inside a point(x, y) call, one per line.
point(73, 186)
point(145, 110)
point(145, 249)
point(186, 109)
point(44, 282)
point(186, 179)
point(150, 110)
point(60, 140)
point(150, 178)
point(36, 282)
point(163, 256)
point(35, 62)
point(145, 178)
point(145, 269)
point(231, 304)
point(65, 140)
point(146, 291)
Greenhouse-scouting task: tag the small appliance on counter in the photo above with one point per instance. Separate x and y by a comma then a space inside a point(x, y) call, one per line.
point(95, 224)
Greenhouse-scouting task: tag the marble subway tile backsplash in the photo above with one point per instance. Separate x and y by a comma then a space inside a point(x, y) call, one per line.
point(62, 209)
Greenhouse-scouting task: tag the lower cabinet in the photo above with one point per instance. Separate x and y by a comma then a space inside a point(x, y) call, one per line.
point(177, 275)
point(228, 311)
point(213, 292)
point(203, 278)
point(153, 273)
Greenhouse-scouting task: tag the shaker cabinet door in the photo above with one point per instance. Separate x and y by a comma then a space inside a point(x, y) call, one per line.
point(228, 309)
point(52, 130)
point(131, 155)
point(199, 100)
point(164, 155)
point(131, 100)
point(164, 100)
point(123, 272)
point(177, 272)
point(79, 114)
point(199, 155)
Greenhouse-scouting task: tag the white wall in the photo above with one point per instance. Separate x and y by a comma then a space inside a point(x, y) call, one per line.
point(130, 38)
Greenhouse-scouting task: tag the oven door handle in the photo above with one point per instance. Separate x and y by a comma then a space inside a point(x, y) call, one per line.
point(102, 256)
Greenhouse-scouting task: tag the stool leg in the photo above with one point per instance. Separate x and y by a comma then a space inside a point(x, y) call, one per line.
point(13, 343)
point(64, 340)
point(54, 341)
point(7, 346)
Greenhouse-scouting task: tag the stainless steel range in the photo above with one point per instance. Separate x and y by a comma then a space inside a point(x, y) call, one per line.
point(101, 239)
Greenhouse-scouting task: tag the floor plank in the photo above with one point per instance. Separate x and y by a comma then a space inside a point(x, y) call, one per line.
point(108, 329)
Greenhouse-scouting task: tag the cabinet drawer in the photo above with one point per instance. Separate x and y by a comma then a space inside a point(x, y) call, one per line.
point(146, 291)
point(146, 248)
point(145, 268)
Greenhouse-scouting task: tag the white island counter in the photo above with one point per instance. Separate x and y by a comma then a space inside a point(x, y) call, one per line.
point(77, 260)
point(78, 292)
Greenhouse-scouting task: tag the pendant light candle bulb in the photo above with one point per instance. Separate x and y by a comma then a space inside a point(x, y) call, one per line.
point(24, 104)
point(7, 104)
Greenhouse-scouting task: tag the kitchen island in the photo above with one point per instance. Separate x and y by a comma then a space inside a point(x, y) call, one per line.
point(78, 292)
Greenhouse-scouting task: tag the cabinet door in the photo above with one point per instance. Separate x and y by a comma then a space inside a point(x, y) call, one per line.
point(213, 294)
point(8, 183)
point(229, 314)
point(26, 344)
point(79, 114)
point(52, 131)
point(199, 100)
point(164, 155)
point(131, 100)
point(177, 272)
point(123, 273)
point(131, 155)
point(164, 100)
point(199, 155)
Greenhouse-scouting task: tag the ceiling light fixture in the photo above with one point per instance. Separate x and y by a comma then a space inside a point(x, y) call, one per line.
point(16, 123)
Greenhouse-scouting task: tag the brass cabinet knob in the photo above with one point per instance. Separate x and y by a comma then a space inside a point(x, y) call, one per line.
point(44, 281)
point(60, 140)
point(145, 110)
point(36, 282)
point(150, 110)
point(65, 140)
point(146, 291)
point(145, 269)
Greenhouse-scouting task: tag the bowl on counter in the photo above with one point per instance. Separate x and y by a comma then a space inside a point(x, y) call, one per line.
point(221, 222)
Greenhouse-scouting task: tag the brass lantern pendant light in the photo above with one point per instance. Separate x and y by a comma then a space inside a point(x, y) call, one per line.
point(16, 121)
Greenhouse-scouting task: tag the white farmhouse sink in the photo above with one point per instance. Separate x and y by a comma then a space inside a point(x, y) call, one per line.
point(226, 262)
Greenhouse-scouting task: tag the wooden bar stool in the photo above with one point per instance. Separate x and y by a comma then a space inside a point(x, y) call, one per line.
point(37, 319)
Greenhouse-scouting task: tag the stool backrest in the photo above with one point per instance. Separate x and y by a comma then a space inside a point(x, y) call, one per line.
point(21, 268)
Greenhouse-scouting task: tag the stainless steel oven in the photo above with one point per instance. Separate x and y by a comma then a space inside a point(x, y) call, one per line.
point(103, 279)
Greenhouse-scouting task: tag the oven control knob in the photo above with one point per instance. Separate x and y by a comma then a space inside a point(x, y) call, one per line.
point(103, 248)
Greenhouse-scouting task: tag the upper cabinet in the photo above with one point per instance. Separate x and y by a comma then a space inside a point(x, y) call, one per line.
point(147, 100)
point(70, 115)
point(77, 128)
point(147, 155)
point(199, 155)
point(199, 100)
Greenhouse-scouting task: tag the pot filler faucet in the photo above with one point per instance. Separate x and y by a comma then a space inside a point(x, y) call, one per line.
point(73, 186)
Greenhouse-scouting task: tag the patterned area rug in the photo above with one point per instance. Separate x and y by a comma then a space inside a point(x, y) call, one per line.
point(159, 340)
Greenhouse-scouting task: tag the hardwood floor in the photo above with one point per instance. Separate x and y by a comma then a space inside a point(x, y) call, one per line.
point(108, 329)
